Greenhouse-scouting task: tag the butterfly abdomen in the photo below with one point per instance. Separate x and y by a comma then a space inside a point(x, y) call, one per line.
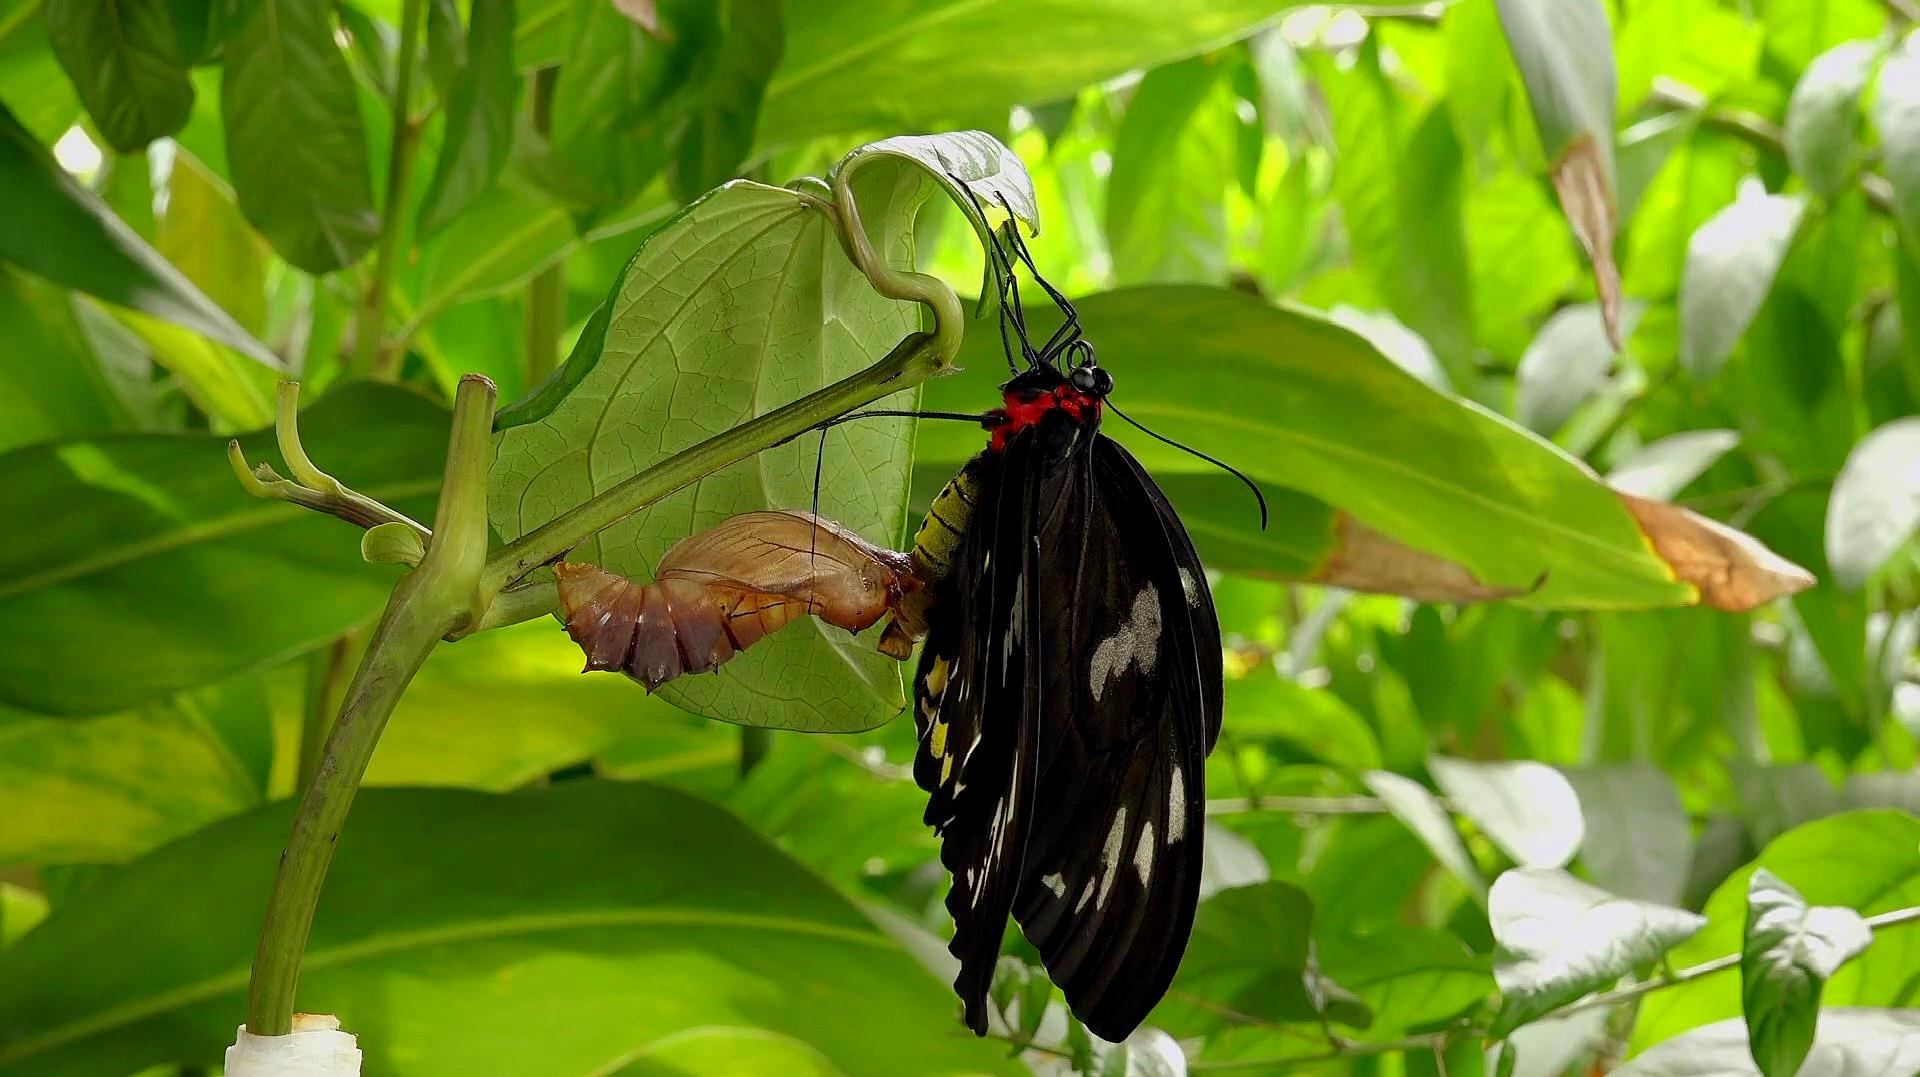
point(937, 542)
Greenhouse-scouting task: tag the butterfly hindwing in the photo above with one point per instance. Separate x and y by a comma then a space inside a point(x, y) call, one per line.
point(1128, 711)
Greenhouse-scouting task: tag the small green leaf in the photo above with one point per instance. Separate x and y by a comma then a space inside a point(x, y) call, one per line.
point(1852, 1043)
point(1731, 263)
point(123, 58)
point(1661, 469)
point(1639, 841)
point(1792, 949)
point(1896, 115)
point(1266, 707)
point(296, 148)
point(1565, 52)
point(1172, 164)
point(1252, 953)
point(719, 133)
point(1420, 810)
point(1411, 977)
point(1566, 364)
point(1866, 860)
point(1823, 118)
point(1560, 939)
point(1875, 505)
point(1528, 809)
point(646, 915)
point(145, 546)
point(53, 227)
point(479, 132)
point(392, 543)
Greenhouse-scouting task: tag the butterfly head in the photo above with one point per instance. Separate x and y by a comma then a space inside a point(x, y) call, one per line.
point(1088, 377)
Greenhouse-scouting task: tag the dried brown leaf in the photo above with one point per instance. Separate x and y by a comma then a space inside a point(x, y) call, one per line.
point(1586, 197)
point(1366, 560)
point(643, 12)
point(1732, 570)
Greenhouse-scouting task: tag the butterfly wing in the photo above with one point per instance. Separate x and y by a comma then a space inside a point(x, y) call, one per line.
point(977, 681)
point(1129, 711)
point(1066, 699)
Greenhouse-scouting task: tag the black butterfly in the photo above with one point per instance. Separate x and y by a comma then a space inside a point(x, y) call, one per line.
point(1068, 693)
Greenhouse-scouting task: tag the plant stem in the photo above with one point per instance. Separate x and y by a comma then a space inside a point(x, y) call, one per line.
point(754, 742)
point(546, 315)
point(371, 355)
point(435, 598)
point(324, 671)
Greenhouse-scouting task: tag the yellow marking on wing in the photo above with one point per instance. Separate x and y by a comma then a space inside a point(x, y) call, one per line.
point(937, 677)
point(946, 768)
point(939, 739)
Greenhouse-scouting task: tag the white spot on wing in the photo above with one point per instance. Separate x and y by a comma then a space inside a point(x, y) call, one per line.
point(1056, 883)
point(1135, 644)
point(1110, 856)
point(1176, 806)
point(1192, 586)
point(1143, 853)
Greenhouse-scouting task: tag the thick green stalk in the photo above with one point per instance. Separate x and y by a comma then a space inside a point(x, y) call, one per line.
point(371, 355)
point(434, 599)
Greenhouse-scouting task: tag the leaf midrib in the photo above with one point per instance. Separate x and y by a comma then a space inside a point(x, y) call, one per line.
point(468, 931)
point(254, 518)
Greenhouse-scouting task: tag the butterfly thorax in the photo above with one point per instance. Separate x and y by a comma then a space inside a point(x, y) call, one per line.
point(1033, 396)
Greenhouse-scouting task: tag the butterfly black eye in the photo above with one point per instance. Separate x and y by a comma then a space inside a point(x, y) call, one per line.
point(1091, 379)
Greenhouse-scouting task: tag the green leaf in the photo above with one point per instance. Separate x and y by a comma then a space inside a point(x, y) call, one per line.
point(1565, 53)
point(1420, 810)
point(1528, 809)
point(1639, 841)
point(1566, 364)
point(1868, 861)
point(124, 61)
point(719, 134)
point(1433, 473)
point(32, 85)
point(1798, 31)
point(1792, 949)
point(1852, 1042)
point(1266, 706)
point(21, 910)
point(654, 915)
point(1172, 163)
point(503, 708)
point(1661, 469)
point(1252, 953)
point(1410, 977)
point(50, 383)
point(851, 64)
point(296, 147)
point(623, 95)
point(103, 789)
point(147, 548)
point(1896, 115)
point(506, 236)
point(479, 131)
point(203, 233)
point(1875, 504)
point(753, 282)
point(1823, 119)
point(53, 227)
point(1560, 939)
point(1731, 263)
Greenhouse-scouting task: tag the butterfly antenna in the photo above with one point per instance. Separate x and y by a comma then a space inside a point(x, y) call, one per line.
point(1221, 464)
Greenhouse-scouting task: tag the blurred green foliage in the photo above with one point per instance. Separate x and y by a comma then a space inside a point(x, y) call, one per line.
point(1653, 813)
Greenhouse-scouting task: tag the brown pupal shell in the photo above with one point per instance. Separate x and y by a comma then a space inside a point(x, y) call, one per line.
point(720, 591)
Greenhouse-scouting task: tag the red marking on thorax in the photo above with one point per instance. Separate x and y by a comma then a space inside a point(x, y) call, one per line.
point(1025, 408)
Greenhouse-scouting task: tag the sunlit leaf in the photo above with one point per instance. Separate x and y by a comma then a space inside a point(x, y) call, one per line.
point(1421, 811)
point(1560, 939)
point(1792, 949)
point(1528, 809)
point(1851, 1042)
point(1876, 502)
point(1731, 263)
point(1662, 469)
point(1566, 364)
point(1823, 115)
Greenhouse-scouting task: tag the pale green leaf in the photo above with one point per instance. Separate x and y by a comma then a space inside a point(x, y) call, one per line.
point(1639, 841)
point(1662, 469)
point(1412, 804)
point(1823, 118)
point(1852, 1043)
point(1731, 263)
point(1560, 938)
point(1792, 949)
point(1876, 502)
point(1528, 809)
